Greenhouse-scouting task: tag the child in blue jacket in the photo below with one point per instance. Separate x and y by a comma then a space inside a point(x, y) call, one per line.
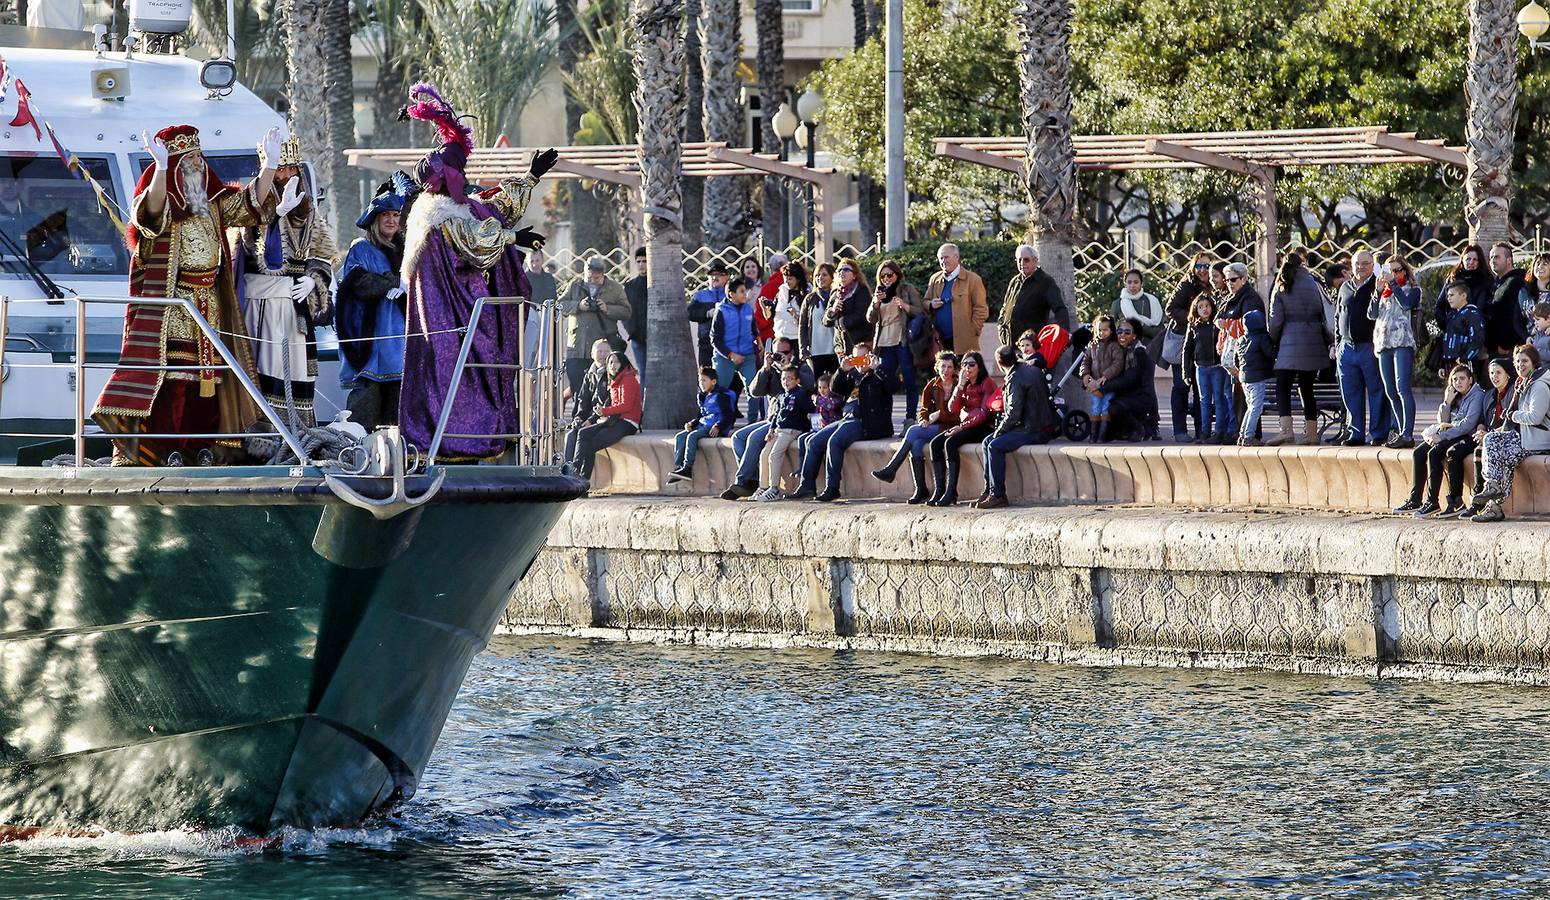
point(1256, 369)
point(718, 412)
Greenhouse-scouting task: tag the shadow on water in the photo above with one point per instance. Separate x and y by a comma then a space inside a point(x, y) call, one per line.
point(596, 770)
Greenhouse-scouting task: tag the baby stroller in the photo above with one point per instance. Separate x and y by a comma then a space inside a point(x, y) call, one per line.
point(1075, 424)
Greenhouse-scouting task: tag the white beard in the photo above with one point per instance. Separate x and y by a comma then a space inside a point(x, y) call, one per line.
point(191, 182)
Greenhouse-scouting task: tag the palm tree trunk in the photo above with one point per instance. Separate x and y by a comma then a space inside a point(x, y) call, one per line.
point(659, 95)
point(868, 17)
point(694, 125)
point(341, 113)
point(770, 22)
point(1044, 58)
point(306, 65)
point(1491, 90)
point(726, 203)
point(591, 226)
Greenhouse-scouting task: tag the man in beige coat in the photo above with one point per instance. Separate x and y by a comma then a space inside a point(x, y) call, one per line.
point(955, 300)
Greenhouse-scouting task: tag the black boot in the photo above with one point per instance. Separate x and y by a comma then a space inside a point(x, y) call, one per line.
point(939, 472)
point(1101, 430)
point(887, 472)
point(949, 495)
point(918, 469)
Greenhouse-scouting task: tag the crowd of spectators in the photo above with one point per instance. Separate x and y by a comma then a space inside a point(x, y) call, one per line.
point(820, 360)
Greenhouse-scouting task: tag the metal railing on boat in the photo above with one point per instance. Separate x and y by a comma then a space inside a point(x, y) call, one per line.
point(535, 442)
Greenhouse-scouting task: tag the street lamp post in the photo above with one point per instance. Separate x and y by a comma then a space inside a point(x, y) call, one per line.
point(809, 108)
point(785, 124)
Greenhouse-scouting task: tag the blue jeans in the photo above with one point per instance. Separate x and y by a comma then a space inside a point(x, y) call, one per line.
point(996, 449)
point(685, 443)
point(747, 442)
point(1396, 367)
point(1254, 394)
point(898, 359)
point(827, 448)
point(1100, 403)
point(918, 436)
point(1183, 404)
point(1215, 387)
point(748, 368)
point(1361, 391)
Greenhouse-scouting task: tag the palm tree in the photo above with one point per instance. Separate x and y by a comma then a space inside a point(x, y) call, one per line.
point(694, 125)
point(1491, 89)
point(602, 84)
point(491, 57)
point(726, 212)
point(341, 110)
point(770, 24)
point(659, 96)
point(306, 63)
point(1044, 32)
point(589, 225)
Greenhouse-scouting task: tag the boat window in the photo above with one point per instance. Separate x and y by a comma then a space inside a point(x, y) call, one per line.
point(50, 217)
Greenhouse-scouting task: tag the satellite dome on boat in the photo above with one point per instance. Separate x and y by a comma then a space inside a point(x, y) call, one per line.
point(160, 16)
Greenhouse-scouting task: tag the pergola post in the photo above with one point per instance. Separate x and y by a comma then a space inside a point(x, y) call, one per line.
point(1265, 246)
point(823, 219)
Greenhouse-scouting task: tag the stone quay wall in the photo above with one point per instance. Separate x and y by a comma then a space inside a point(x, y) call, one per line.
point(1317, 593)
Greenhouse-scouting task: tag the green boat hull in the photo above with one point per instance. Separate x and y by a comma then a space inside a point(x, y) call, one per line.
point(241, 648)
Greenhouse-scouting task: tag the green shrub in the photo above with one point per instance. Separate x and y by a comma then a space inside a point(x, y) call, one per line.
point(993, 261)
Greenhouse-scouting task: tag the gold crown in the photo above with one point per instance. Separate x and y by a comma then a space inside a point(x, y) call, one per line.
point(182, 143)
point(290, 153)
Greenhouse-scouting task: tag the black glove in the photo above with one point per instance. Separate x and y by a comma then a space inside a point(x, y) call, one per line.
point(529, 239)
point(543, 162)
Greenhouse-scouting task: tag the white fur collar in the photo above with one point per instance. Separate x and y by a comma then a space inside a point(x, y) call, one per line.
point(430, 211)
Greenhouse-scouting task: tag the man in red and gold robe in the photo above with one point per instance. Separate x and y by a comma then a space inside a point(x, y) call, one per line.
point(178, 249)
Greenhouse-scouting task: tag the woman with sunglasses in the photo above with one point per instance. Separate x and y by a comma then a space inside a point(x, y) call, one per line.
point(848, 308)
point(817, 340)
point(893, 304)
point(1183, 401)
point(972, 400)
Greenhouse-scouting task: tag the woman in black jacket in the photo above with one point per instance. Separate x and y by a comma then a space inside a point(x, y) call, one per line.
point(1135, 398)
point(848, 307)
point(817, 340)
point(1183, 401)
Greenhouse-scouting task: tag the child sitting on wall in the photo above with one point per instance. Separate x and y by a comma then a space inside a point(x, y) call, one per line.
point(718, 410)
point(791, 416)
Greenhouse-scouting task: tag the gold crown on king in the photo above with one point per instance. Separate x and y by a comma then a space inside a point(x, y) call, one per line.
point(290, 153)
point(182, 143)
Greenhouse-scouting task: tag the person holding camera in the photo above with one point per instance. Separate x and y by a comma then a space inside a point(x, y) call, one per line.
point(593, 307)
point(749, 441)
point(592, 396)
point(868, 416)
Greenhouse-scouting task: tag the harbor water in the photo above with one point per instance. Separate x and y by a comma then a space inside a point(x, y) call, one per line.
point(593, 769)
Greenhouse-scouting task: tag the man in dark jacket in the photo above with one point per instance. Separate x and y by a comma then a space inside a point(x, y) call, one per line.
point(868, 416)
point(635, 292)
point(1027, 419)
point(748, 441)
point(1033, 299)
point(1135, 397)
point(702, 305)
point(1506, 321)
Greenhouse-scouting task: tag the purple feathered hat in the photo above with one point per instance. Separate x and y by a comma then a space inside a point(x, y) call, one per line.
point(441, 171)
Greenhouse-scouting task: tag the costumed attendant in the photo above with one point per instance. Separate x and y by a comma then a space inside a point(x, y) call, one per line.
point(458, 249)
point(370, 315)
point(177, 246)
point(285, 292)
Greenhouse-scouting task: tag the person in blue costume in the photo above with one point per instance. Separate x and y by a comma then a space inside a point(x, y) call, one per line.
point(370, 305)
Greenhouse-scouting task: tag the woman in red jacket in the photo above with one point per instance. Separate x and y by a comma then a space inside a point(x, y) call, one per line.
point(614, 422)
point(972, 400)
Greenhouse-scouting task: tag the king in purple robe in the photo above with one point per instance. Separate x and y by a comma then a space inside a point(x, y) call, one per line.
point(458, 249)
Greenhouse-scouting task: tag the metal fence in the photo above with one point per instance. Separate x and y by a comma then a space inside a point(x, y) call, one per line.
point(1099, 264)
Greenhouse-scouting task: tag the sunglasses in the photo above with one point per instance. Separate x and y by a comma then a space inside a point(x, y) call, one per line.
point(1124, 331)
point(1202, 266)
point(887, 275)
point(1233, 278)
point(970, 363)
point(849, 270)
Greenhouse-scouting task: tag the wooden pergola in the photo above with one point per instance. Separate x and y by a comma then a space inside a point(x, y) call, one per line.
point(1260, 155)
point(619, 164)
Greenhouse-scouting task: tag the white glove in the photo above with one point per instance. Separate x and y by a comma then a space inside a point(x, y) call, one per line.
point(291, 197)
point(269, 150)
point(394, 294)
point(156, 148)
point(302, 288)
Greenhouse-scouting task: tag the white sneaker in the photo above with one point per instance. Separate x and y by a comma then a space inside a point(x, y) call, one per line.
point(770, 494)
